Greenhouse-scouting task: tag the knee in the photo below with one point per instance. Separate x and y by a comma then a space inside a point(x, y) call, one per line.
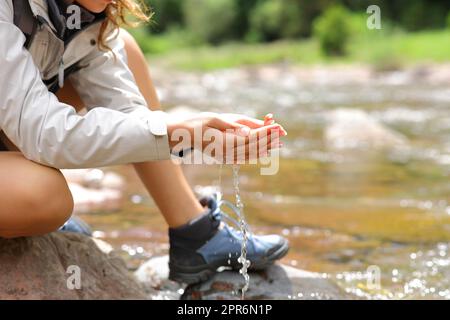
point(53, 202)
point(46, 204)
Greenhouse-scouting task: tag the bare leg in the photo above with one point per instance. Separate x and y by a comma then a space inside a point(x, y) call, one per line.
point(29, 206)
point(163, 180)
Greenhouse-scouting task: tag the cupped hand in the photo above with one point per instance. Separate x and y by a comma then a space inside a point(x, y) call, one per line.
point(236, 137)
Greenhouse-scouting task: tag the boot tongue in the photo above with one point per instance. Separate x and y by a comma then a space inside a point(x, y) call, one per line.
point(197, 231)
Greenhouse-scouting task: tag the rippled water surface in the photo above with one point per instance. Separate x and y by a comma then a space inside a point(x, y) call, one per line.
point(363, 179)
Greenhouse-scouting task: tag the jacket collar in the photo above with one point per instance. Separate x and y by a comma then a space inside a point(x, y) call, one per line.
point(50, 10)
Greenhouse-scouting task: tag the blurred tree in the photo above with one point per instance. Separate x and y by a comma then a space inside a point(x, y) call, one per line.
point(301, 14)
point(242, 22)
point(167, 13)
point(210, 20)
point(267, 20)
point(448, 20)
point(419, 15)
point(333, 30)
point(275, 19)
point(409, 14)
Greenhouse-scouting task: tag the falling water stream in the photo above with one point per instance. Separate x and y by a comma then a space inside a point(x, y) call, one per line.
point(244, 230)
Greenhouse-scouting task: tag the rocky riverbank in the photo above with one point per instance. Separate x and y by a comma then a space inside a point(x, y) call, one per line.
point(49, 267)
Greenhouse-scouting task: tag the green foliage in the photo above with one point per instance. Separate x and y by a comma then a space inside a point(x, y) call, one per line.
point(244, 9)
point(167, 14)
point(448, 20)
point(419, 15)
point(172, 40)
point(266, 20)
point(283, 19)
point(332, 29)
point(217, 21)
point(210, 20)
point(383, 51)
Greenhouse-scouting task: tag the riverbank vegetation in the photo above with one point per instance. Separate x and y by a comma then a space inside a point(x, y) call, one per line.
point(383, 52)
point(212, 34)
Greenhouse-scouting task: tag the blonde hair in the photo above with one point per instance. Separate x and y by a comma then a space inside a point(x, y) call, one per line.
point(122, 13)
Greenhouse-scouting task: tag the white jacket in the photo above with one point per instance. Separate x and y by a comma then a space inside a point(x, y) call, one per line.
point(118, 128)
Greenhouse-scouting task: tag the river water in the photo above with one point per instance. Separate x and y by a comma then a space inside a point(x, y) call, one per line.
point(363, 181)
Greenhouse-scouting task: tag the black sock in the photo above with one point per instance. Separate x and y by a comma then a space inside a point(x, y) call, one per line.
point(193, 234)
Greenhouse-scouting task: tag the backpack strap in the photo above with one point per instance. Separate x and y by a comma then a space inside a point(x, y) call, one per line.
point(24, 19)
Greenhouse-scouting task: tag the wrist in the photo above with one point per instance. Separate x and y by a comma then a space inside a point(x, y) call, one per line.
point(180, 134)
point(171, 127)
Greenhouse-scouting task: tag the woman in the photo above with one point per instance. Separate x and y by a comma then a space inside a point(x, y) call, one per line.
point(49, 71)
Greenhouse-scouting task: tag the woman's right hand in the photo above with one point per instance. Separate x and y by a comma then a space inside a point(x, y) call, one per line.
point(236, 137)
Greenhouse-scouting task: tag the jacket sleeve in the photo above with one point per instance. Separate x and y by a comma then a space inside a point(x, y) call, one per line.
point(52, 133)
point(106, 80)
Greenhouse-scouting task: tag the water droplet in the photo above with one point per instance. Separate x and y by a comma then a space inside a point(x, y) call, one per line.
point(98, 234)
point(136, 199)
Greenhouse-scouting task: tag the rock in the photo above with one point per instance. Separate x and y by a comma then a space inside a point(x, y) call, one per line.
point(153, 275)
point(43, 268)
point(36, 268)
point(355, 129)
point(277, 282)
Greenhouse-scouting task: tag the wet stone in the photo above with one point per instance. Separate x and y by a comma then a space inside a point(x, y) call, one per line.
point(277, 282)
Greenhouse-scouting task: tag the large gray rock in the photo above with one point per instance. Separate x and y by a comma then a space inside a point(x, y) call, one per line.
point(355, 129)
point(277, 282)
point(36, 268)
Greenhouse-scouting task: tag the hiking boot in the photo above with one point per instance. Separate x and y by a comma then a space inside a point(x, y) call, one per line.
point(207, 243)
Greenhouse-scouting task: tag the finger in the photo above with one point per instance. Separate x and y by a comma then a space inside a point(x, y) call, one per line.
point(269, 129)
point(257, 141)
point(265, 135)
point(247, 157)
point(224, 124)
point(268, 119)
point(251, 122)
point(268, 133)
point(256, 147)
